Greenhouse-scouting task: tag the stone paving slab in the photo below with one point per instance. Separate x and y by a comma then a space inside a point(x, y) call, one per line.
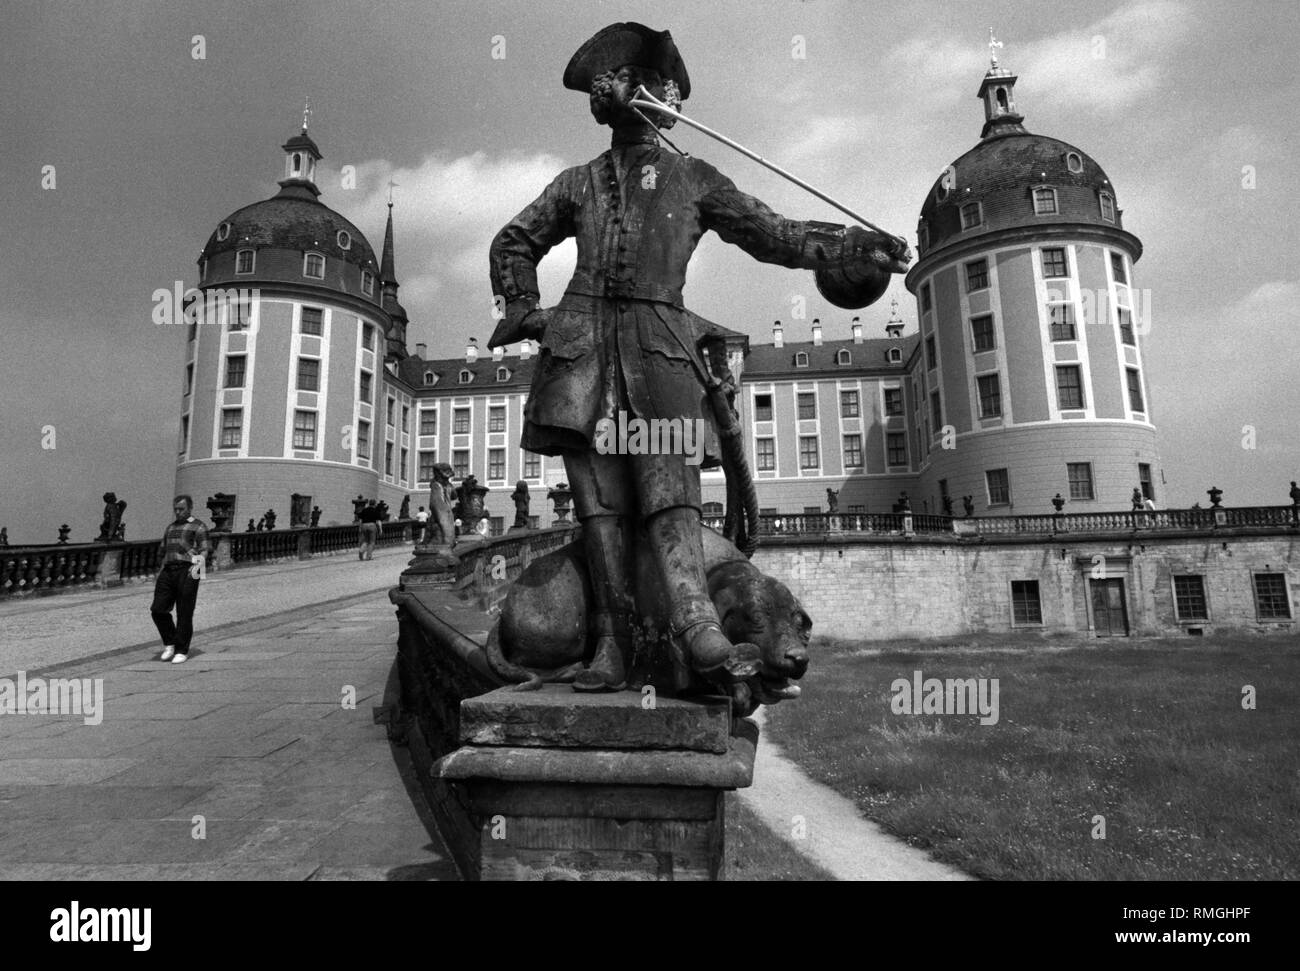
point(250, 735)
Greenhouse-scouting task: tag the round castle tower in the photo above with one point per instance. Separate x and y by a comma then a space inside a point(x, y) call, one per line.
point(1031, 379)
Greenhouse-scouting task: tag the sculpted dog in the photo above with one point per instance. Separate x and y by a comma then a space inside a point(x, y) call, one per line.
point(542, 632)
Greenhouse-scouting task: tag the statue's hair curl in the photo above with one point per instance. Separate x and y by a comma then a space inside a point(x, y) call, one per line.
point(602, 99)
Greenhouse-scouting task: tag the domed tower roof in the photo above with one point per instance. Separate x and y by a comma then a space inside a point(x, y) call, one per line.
point(283, 229)
point(1013, 179)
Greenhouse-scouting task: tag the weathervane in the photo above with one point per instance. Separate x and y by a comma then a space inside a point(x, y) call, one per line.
point(391, 185)
point(306, 110)
point(994, 44)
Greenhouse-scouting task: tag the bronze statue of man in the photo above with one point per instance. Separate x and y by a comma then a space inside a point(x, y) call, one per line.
point(621, 340)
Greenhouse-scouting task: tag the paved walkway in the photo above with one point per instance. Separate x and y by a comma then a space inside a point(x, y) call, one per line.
point(248, 745)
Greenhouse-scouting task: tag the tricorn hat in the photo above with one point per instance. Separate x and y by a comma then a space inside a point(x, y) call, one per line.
point(627, 43)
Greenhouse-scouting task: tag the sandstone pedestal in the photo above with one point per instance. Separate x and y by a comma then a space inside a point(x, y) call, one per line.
point(430, 569)
point(561, 785)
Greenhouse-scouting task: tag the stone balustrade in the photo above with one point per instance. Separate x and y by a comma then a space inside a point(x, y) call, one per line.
point(487, 568)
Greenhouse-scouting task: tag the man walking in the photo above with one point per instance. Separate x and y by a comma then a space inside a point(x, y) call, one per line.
point(184, 552)
point(422, 519)
point(369, 531)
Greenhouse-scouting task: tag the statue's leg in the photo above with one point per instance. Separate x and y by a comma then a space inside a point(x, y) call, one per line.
point(668, 491)
point(601, 494)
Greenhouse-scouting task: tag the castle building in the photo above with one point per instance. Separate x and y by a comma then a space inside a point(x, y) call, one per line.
point(1027, 378)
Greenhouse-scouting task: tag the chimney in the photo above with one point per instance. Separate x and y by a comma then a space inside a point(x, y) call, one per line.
point(778, 335)
point(857, 330)
point(498, 353)
point(817, 332)
point(525, 350)
point(421, 350)
point(471, 351)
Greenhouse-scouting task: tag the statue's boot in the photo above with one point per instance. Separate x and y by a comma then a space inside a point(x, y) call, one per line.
point(678, 545)
point(610, 621)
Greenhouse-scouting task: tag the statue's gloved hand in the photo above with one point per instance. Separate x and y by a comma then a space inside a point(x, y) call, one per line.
point(882, 250)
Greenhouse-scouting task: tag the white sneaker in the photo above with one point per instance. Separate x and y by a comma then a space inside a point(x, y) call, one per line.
point(180, 659)
point(167, 653)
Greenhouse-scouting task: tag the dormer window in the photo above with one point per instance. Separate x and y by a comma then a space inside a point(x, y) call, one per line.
point(1107, 207)
point(244, 261)
point(1073, 162)
point(503, 374)
point(429, 378)
point(895, 356)
point(344, 239)
point(313, 266)
point(801, 359)
point(367, 282)
point(971, 215)
point(843, 357)
point(1044, 201)
point(466, 376)
point(223, 232)
point(947, 182)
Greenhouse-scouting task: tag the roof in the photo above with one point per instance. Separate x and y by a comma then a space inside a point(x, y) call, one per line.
point(767, 361)
point(295, 221)
point(447, 371)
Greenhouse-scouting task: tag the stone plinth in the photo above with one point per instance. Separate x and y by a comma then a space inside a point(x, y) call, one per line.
point(430, 568)
point(561, 785)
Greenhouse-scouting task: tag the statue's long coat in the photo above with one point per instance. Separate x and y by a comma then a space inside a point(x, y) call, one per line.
point(620, 337)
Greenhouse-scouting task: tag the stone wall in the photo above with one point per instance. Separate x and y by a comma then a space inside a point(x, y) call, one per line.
point(881, 587)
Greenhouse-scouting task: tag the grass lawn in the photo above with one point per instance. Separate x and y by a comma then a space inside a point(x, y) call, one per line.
point(1149, 733)
point(754, 852)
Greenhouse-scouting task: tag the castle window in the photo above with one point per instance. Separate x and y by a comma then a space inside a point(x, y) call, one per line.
point(503, 374)
point(762, 407)
point(1135, 389)
point(304, 429)
point(466, 376)
point(1061, 322)
point(971, 215)
point(849, 404)
point(185, 432)
point(366, 381)
point(313, 321)
point(496, 464)
point(896, 445)
point(1073, 162)
point(244, 261)
point(391, 412)
point(1002, 99)
point(232, 427)
point(297, 163)
point(1026, 609)
point(235, 370)
point(895, 356)
point(809, 458)
point(1069, 386)
point(532, 466)
point(223, 232)
point(497, 419)
point(936, 410)
point(843, 357)
point(807, 406)
point(977, 275)
point(368, 337)
point(427, 461)
point(1107, 207)
point(406, 418)
point(388, 459)
point(402, 463)
point(1117, 268)
point(189, 378)
point(983, 337)
point(893, 402)
point(1055, 263)
point(1126, 326)
point(367, 283)
point(927, 300)
point(308, 374)
point(460, 421)
point(931, 354)
point(999, 487)
point(344, 239)
point(1271, 600)
point(363, 441)
point(1189, 598)
point(428, 422)
point(765, 454)
point(313, 266)
point(460, 462)
point(801, 359)
point(1080, 475)
point(990, 394)
point(1044, 202)
point(853, 451)
point(428, 377)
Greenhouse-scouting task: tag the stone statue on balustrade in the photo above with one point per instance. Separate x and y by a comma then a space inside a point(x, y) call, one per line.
point(648, 595)
point(469, 505)
point(270, 520)
point(832, 501)
point(520, 498)
point(112, 528)
point(433, 550)
point(405, 511)
point(315, 515)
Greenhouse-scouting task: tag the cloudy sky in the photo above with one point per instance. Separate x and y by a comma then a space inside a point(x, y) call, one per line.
point(1189, 106)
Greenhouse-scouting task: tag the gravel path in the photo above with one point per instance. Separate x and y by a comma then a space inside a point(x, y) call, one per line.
point(827, 828)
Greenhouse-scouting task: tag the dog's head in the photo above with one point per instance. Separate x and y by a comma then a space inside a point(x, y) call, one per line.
point(761, 610)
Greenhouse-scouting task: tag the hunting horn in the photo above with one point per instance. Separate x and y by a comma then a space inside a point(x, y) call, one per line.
point(851, 288)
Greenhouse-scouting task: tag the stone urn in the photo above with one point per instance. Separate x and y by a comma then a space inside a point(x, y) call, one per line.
point(562, 496)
